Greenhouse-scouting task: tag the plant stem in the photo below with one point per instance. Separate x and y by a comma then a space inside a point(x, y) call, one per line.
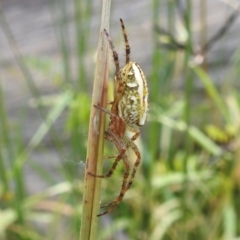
point(91, 198)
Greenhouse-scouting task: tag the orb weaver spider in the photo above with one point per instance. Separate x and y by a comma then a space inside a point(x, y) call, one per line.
point(128, 112)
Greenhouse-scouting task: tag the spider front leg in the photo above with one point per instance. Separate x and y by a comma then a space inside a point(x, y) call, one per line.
point(127, 47)
point(118, 79)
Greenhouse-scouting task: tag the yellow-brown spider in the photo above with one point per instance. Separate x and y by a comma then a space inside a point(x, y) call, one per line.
point(128, 112)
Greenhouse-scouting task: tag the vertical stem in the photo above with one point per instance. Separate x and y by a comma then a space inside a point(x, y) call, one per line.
point(203, 31)
point(188, 83)
point(6, 143)
point(91, 196)
point(187, 109)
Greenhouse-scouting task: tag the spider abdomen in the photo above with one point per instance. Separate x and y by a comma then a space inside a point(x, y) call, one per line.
point(133, 105)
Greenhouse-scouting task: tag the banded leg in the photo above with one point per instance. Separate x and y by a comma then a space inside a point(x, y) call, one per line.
point(129, 143)
point(127, 47)
point(121, 147)
point(126, 184)
point(125, 187)
point(118, 78)
point(121, 156)
point(113, 136)
point(133, 146)
point(119, 198)
point(115, 55)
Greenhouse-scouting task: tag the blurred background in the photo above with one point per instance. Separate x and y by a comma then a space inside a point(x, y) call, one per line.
point(188, 184)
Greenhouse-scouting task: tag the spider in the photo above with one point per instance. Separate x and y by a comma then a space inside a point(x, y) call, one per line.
point(128, 112)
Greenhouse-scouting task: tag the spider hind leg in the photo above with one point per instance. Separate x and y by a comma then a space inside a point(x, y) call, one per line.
point(124, 189)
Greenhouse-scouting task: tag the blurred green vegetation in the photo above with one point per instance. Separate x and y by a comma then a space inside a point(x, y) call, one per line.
point(188, 185)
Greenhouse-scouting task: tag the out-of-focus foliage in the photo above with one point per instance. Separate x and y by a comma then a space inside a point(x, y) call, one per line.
point(188, 185)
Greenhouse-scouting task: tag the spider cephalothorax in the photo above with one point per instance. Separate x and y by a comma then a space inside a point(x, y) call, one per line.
point(128, 112)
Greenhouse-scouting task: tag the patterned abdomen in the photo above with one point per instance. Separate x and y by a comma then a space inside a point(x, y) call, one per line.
point(133, 105)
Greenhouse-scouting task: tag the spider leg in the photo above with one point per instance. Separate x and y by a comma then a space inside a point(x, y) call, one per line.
point(133, 146)
point(118, 78)
point(127, 47)
point(126, 184)
point(110, 172)
point(108, 157)
point(108, 211)
point(115, 55)
point(134, 137)
point(119, 198)
point(122, 149)
point(105, 110)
